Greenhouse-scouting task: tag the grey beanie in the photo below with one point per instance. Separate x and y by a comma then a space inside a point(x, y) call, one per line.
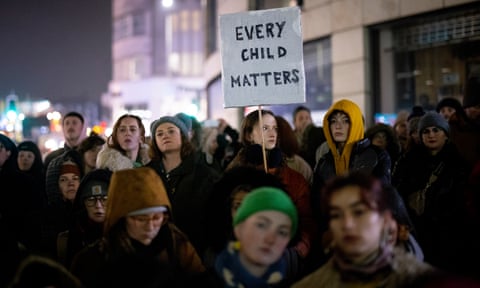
point(169, 119)
point(186, 119)
point(432, 118)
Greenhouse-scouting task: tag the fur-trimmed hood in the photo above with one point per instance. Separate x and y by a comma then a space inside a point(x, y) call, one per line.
point(113, 160)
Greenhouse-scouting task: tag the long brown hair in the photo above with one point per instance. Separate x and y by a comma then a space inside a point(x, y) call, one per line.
point(113, 141)
point(249, 123)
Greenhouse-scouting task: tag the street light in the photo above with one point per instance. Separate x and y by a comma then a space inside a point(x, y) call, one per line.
point(167, 3)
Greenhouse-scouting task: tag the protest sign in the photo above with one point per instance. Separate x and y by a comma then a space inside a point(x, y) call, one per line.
point(262, 57)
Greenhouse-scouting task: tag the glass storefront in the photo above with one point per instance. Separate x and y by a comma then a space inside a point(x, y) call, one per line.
point(423, 59)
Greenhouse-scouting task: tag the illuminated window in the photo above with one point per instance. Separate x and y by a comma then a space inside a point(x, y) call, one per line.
point(196, 20)
point(185, 15)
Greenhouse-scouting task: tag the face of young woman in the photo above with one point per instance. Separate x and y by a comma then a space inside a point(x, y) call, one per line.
point(68, 184)
point(263, 237)
point(302, 120)
point(168, 138)
point(144, 228)
point(90, 156)
point(339, 127)
point(447, 112)
point(95, 207)
point(356, 229)
point(128, 134)
point(25, 160)
point(434, 138)
point(380, 140)
point(270, 132)
point(236, 201)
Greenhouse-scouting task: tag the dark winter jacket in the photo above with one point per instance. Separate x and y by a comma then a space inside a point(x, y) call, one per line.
point(189, 187)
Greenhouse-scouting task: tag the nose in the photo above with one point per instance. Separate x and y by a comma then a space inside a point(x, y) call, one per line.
point(347, 222)
point(98, 203)
point(270, 237)
point(149, 225)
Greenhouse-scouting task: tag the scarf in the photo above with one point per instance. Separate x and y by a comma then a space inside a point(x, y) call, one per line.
point(229, 268)
point(378, 261)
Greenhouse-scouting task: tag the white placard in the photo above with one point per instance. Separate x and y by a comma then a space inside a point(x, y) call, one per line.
point(262, 57)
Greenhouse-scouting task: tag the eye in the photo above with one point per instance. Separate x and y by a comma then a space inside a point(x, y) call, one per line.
point(359, 211)
point(334, 215)
point(284, 233)
point(261, 225)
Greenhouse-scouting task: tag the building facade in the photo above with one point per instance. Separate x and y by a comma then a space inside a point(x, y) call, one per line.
point(157, 57)
point(385, 55)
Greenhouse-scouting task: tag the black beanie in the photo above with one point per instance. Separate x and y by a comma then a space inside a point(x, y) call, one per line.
point(417, 111)
point(449, 102)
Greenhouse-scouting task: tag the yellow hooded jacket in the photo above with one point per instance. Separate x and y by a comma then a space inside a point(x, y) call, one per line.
point(355, 134)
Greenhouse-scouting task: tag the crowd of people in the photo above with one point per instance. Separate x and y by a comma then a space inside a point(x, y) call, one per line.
point(269, 205)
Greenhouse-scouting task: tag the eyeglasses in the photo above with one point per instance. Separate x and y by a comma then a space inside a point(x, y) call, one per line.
point(92, 201)
point(435, 130)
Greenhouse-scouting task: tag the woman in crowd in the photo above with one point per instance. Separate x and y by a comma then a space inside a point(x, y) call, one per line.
point(30, 161)
point(88, 215)
point(58, 215)
point(263, 225)
point(360, 223)
point(291, 149)
point(227, 195)
point(434, 192)
point(348, 151)
point(253, 136)
point(447, 107)
point(383, 136)
point(138, 235)
point(89, 148)
point(126, 147)
point(187, 177)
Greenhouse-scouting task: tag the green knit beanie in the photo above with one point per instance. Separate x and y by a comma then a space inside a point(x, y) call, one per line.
point(267, 198)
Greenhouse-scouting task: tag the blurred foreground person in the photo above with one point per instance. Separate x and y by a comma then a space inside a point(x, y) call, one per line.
point(38, 271)
point(138, 235)
point(263, 225)
point(360, 221)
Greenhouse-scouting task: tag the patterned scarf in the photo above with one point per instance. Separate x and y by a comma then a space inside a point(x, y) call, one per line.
point(229, 268)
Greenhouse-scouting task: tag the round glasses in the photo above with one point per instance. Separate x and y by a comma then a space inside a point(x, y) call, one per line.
point(92, 201)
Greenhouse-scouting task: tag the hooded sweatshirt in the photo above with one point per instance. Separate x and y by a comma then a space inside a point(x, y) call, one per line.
point(355, 134)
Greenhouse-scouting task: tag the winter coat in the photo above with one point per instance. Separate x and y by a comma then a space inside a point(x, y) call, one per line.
point(441, 223)
point(403, 271)
point(189, 187)
point(296, 187)
point(113, 160)
point(131, 190)
point(170, 252)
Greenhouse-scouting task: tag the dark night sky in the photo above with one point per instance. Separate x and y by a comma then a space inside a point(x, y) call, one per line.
point(55, 49)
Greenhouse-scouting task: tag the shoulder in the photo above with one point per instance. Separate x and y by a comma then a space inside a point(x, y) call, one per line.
point(406, 268)
point(325, 276)
point(112, 159)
